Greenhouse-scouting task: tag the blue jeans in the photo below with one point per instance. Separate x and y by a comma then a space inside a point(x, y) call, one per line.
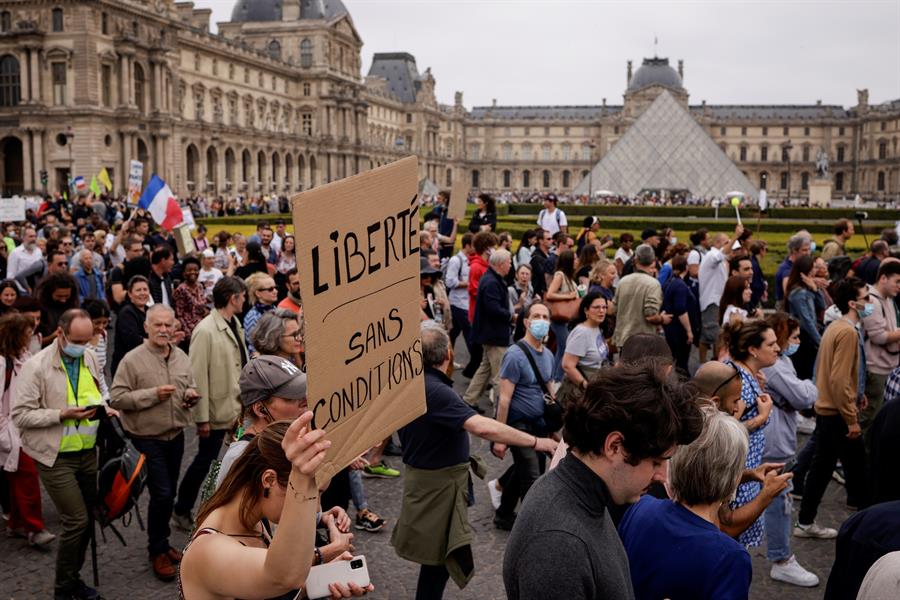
point(561, 331)
point(357, 491)
point(163, 465)
point(778, 526)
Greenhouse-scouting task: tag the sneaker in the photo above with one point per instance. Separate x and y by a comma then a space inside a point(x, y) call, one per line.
point(805, 425)
point(791, 572)
point(84, 592)
point(163, 567)
point(504, 523)
point(183, 522)
point(40, 539)
point(838, 475)
point(392, 449)
point(380, 470)
point(814, 531)
point(366, 520)
point(495, 492)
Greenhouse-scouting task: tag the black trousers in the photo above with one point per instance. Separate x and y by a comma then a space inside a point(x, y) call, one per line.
point(832, 443)
point(432, 582)
point(528, 464)
point(207, 451)
point(462, 326)
point(163, 465)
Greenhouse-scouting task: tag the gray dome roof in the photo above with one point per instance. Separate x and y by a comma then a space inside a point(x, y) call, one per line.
point(270, 10)
point(655, 71)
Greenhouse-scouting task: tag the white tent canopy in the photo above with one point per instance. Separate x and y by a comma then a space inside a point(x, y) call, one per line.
point(666, 149)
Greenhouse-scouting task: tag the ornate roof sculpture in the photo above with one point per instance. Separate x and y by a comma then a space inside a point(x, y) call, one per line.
point(271, 10)
point(666, 149)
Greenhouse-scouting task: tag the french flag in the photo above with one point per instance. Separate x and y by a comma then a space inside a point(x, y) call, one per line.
point(160, 201)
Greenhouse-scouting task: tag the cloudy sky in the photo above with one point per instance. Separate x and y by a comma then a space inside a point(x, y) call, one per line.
point(574, 52)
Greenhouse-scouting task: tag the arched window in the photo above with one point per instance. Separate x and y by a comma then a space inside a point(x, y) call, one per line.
point(57, 19)
point(245, 166)
point(274, 49)
point(880, 181)
point(476, 176)
point(507, 178)
point(193, 157)
point(839, 182)
point(763, 180)
point(526, 179)
point(306, 53)
point(804, 181)
point(139, 87)
point(546, 177)
point(9, 81)
point(449, 177)
point(566, 176)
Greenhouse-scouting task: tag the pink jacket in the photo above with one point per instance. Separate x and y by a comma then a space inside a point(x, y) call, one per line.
point(881, 357)
point(10, 442)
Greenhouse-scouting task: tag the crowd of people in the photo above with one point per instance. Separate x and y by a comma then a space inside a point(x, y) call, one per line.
point(650, 396)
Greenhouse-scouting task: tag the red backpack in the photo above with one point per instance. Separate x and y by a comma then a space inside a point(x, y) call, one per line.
point(120, 482)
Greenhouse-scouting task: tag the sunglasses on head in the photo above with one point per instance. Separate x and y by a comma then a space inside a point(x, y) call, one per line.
point(727, 381)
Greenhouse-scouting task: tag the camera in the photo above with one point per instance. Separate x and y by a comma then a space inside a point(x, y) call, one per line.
point(356, 563)
point(861, 215)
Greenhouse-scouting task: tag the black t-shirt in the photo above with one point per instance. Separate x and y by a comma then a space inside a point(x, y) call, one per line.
point(437, 439)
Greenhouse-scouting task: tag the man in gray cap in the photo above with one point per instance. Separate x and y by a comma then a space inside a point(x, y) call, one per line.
point(272, 389)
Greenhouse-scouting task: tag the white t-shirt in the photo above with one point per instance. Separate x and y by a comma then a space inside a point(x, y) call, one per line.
point(694, 257)
point(588, 345)
point(712, 277)
point(208, 279)
point(20, 259)
point(730, 310)
point(552, 221)
point(623, 255)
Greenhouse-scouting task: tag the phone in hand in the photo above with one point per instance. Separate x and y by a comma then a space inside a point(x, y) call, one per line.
point(789, 466)
point(354, 570)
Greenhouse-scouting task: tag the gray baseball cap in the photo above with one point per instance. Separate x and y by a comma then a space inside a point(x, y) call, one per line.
point(267, 376)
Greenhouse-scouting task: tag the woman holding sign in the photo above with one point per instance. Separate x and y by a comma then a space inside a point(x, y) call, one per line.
point(272, 482)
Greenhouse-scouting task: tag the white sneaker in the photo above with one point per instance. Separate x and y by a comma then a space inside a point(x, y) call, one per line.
point(814, 531)
point(495, 493)
point(805, 425)
point(791, 572)
point(41, 538)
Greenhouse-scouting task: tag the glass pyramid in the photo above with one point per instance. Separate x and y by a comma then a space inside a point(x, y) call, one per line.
point(666, 149)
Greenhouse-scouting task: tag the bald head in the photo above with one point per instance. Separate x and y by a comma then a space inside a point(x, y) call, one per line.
point(721, 384)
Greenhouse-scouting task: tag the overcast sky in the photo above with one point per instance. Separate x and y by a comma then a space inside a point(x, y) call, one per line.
point(574, 52)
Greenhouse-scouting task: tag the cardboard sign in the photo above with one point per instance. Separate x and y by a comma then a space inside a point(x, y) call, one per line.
point(358, 259)
point(187, 217)
point(459, 194)
point(12, 209)
point(135, 181)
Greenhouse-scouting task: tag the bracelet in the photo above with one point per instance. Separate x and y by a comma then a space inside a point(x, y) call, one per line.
point(297, 494)
point(533, 446)
point(317, 558)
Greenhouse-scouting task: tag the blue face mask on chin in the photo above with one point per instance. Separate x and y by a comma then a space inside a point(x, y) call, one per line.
point(791, 349)
point(866, 311)
point(74, 350)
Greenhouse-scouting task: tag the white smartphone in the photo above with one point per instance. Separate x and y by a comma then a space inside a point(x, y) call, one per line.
point(337, 571)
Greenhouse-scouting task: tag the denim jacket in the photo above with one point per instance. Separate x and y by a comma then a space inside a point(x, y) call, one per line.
point(804, 304)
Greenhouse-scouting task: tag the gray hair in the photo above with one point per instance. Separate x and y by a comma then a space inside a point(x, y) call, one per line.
point(707, 470)
point(435, 344)
point(798, 240)
point(266, 336)
point(499, 256)
point(644, 255)
point(159, 308)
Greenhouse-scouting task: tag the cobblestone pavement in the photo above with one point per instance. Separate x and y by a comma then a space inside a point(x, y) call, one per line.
point(125, 571)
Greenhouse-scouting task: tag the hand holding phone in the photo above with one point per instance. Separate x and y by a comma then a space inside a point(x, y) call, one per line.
point(343, 572)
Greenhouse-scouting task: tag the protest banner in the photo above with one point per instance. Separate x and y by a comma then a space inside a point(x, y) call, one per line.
point(358, 259)
point(12, 209)
point(135, 181)
point(459, 195)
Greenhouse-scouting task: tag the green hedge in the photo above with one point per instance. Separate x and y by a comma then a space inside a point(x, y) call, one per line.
point(827, 214)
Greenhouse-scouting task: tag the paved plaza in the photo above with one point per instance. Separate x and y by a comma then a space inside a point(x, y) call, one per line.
point(125, 572)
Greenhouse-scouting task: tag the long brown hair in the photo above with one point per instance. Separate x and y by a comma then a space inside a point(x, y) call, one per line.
point(733, 294)
point(15, 330)
point(802, 266)
point(244, 478)
point(783, 325)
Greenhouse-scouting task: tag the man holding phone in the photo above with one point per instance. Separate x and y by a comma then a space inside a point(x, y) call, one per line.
point(154, 389)
point(55, 409)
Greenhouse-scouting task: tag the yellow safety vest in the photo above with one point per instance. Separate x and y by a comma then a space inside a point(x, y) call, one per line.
point(80, 434)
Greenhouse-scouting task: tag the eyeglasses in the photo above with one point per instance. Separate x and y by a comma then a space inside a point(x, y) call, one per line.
point(268, 289)
point(727, 381)
point(296, 336)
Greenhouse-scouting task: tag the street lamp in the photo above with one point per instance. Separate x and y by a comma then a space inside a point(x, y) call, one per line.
point(70, 136)
point(787, 148)
point(591, 147)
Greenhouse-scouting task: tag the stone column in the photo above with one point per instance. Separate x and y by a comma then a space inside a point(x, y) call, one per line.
point(122, 89)
point(27, 161)
point(37, 147)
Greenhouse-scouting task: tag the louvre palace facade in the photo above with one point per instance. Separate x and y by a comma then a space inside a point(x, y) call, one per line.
point(276, 102)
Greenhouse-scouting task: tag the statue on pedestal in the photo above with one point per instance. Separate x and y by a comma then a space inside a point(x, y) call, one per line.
point(822, 164)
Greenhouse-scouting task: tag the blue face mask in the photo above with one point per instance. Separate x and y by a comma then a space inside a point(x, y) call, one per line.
point(539, 329)
point(866, 310)
point(791, 349)
point(74, 350)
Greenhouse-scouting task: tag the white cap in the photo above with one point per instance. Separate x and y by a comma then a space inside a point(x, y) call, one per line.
point(208, 253)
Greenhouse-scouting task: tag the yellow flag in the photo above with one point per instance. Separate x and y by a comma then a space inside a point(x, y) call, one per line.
point(104, 179)
point(95, 187)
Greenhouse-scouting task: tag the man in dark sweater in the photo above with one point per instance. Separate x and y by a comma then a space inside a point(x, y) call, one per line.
point(620, 435)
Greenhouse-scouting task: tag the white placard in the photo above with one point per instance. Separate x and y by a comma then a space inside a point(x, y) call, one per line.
point(135, 181)
point(188, 217)
point(12, 209)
